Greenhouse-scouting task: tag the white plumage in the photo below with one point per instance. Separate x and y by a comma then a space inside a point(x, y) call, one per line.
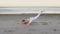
point(34, 18)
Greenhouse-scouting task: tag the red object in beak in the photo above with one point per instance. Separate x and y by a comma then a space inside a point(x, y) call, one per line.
point(26, 22)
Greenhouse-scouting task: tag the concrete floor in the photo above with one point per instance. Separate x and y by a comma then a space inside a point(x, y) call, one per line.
point(11, 24)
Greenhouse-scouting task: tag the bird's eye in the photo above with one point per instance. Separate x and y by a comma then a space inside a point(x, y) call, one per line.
point(23, 20)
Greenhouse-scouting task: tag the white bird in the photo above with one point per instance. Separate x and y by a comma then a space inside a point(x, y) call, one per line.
point(34, 18)
point(31, 19)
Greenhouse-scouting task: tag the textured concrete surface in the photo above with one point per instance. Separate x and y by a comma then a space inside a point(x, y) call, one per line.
point(45, 24)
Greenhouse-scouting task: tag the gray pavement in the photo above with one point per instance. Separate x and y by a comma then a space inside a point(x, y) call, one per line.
point(45, 24)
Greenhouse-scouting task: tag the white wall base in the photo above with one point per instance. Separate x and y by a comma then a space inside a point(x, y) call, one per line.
point(31, 12)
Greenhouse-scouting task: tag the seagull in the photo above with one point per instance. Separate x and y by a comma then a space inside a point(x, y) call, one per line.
point(28, 21)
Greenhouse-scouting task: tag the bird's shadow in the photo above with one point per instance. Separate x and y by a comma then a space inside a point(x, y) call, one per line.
point(39, 23)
